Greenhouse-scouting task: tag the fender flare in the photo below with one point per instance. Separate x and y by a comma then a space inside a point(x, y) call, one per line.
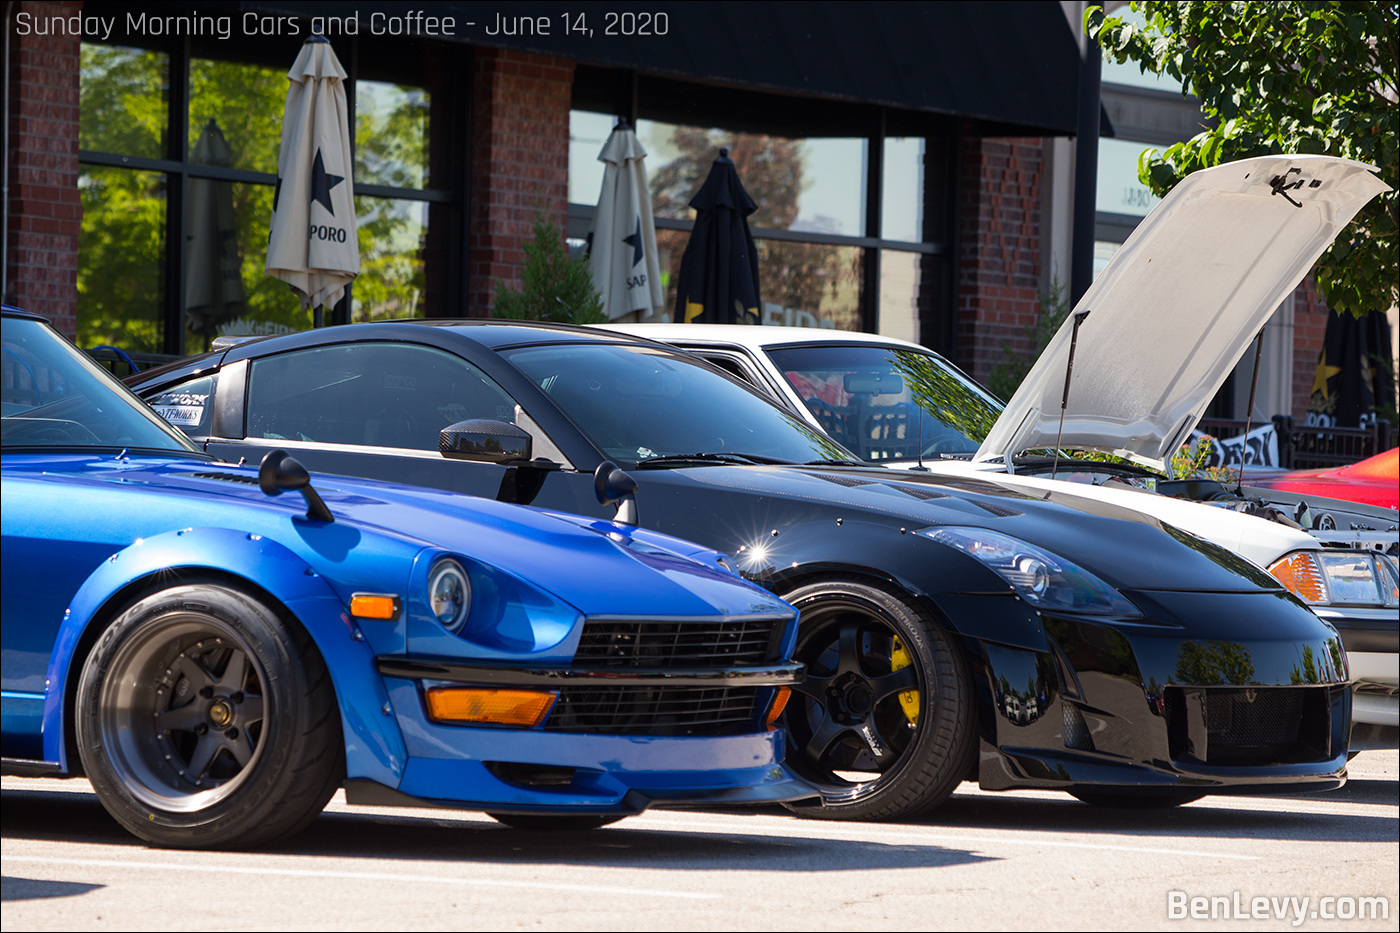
point(374, 746)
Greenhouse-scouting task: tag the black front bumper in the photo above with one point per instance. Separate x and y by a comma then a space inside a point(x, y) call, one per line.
point(1227, 693)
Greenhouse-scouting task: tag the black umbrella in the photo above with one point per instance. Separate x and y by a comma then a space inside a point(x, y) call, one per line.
point(718, 282)
point(1352, 378)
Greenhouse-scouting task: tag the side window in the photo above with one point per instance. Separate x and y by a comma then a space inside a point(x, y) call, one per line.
point(729, 365)
point(189, 406)
point(371, 394)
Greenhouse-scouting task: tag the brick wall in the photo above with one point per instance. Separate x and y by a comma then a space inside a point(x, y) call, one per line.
point(999, 261)
point(520, 161)
point(1309, 329)
point(45, 213)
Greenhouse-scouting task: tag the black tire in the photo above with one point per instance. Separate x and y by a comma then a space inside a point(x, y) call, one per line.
point(849, 715)
point(1156, 800)
point(205, 719)
point(549, 823)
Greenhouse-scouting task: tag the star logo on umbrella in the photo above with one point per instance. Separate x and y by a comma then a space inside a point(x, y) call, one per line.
point(322, 182)
point(1322, 374)
point(635, 241)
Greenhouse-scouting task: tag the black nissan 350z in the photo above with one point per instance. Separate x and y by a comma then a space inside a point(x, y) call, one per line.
point(952, 628)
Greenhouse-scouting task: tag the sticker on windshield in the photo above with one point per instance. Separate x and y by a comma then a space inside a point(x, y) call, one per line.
point(181, 414)
point(181, 408)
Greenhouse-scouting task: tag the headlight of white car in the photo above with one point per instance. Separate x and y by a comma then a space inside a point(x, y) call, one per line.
point(1339, 578)
point(1045, 580)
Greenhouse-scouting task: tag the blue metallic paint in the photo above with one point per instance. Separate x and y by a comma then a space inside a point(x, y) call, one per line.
point(112, 521)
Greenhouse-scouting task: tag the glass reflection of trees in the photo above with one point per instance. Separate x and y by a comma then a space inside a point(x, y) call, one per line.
point(820, 278)
point(945, 395)
point(123, 235)
point(1214, 664)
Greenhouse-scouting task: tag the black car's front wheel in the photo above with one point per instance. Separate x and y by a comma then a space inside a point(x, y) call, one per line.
point(884, 723)
point(206, 719)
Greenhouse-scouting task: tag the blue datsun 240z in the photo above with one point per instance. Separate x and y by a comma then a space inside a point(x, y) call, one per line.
point(218, 661)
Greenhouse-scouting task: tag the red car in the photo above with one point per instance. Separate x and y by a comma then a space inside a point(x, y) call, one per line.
point(1374, 481)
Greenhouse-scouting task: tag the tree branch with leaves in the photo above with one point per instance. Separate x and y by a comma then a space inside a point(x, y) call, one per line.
point(1282, 77)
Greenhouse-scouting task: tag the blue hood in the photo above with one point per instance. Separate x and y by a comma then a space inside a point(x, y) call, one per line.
point(598, 567)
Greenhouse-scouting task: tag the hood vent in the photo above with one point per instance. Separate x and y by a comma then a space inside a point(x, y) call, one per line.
point(845, 480)
point(924, 494)
point(1000, 511)
point(225, 477)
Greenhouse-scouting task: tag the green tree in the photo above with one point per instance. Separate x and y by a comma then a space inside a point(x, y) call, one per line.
point(553, 287)
point(1282, 77)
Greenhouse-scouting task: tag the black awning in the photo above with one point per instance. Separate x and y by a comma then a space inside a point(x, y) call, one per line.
point(1009, 62)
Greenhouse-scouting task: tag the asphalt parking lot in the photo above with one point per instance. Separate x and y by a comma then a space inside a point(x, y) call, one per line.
point(1025, 859)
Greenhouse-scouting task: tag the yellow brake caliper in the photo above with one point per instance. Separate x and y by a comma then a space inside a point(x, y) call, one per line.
point(909, 699)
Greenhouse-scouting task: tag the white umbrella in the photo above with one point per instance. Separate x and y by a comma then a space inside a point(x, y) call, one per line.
point(622, 243)
point(213, 270)
point(311, 244)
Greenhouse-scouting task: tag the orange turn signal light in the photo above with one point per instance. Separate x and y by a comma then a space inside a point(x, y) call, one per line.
point(526, 708)
point(374, 606)
point(1300, 573)
point(780, 702)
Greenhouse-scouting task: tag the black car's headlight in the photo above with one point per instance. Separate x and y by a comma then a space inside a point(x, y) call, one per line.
point(1346, 578)
point(1045, 580)
point(450, 594)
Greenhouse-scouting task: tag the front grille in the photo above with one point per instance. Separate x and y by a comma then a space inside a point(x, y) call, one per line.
point(1253, 718)
point(1249, 725)
point(664, 711)
point(703, 644)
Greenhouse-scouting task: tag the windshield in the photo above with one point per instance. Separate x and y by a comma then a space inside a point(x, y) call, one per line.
point(882, 401)
point(52, 395)
point(640, 403)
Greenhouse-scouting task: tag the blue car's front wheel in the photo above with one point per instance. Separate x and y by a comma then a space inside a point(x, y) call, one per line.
point(206, 719)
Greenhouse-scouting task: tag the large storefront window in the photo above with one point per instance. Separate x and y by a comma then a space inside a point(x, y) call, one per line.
point(815, 232)
point(174, 231)
point(122, 248)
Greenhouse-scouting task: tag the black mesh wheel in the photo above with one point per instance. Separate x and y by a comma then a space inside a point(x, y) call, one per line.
point(884, 724)
point(207, 720)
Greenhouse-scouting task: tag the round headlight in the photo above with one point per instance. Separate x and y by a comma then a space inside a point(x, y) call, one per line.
point(450, 595)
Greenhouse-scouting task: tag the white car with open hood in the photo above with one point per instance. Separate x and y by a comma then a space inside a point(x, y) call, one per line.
point(1159, 331)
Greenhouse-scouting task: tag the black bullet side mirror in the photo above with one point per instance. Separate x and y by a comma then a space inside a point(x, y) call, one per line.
point(279, 473)
point(612, 485)
point(485, 440)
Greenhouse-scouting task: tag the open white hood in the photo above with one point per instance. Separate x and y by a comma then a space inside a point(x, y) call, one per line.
point(1179, 304)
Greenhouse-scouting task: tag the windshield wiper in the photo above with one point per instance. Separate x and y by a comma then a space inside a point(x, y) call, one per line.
point(719, 457)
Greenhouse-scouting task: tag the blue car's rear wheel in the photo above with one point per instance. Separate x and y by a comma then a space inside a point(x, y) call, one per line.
point(206, 719)
point(884, 722)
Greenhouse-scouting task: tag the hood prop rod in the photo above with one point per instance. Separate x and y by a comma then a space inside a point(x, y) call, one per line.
point(1249, 415)
point(1079, 317)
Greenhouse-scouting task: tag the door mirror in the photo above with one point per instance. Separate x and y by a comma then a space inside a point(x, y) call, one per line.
point(485, 440)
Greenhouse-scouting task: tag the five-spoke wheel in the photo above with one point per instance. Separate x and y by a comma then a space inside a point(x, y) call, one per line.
point(207, 719)
point(883, 723)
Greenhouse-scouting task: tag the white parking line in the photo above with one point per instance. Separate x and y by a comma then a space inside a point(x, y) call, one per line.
point(357, 876)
